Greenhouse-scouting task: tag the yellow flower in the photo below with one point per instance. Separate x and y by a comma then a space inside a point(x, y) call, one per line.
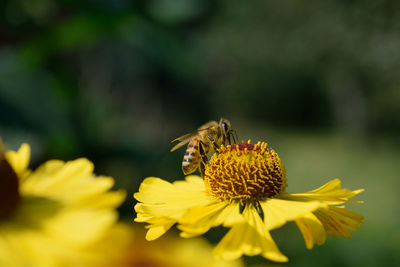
point(124, 246)
point(243, 188)
point(58, 209)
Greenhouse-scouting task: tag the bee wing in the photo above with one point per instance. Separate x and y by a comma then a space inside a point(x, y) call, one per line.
point(184, 139)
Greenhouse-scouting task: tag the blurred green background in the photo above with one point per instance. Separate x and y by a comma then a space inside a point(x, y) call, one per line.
point(117, 80)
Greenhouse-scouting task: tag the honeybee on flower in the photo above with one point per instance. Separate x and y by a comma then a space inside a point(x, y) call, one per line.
point(243, 187)
point(202, 142)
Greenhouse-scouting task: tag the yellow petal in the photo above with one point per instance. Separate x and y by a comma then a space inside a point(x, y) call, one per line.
point(71, 182)
point(170, 208)
point(154, 190)
point(63, 208)
point(195, 252)
point(162, 195)
point(57, 178)
point(348, 214)
point(80, 226)
point(108, 199)
point(155, 231)
point(311, 229)
point(331, 193)
point(250, 237)
point(28, 248)
point(164, 203)
point(337, 220)
point(335, 184)
point(279, 211)
point(192, 183)
point(231, 215)
point(198, 220)
point(19, 160)
point(157, 225)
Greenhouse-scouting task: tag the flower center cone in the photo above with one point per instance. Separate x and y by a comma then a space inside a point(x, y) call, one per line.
point(245, 172)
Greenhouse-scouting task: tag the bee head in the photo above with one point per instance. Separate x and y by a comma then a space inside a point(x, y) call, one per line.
point(225, 126)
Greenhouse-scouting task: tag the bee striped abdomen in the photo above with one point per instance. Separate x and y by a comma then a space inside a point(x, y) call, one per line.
point(192, 158)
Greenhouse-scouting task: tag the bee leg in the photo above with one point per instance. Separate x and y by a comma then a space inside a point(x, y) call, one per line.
point(204, 159)
point(202, 153)
point(233, 135)
point(216, 147)
point(202, 168)
point(229, 139)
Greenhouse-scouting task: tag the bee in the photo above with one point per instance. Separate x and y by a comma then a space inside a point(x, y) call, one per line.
point(202, 142)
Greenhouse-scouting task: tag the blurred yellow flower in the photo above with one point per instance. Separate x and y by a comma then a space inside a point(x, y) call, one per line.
point(243, 187)
point(58, 209)
point(125, 246)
